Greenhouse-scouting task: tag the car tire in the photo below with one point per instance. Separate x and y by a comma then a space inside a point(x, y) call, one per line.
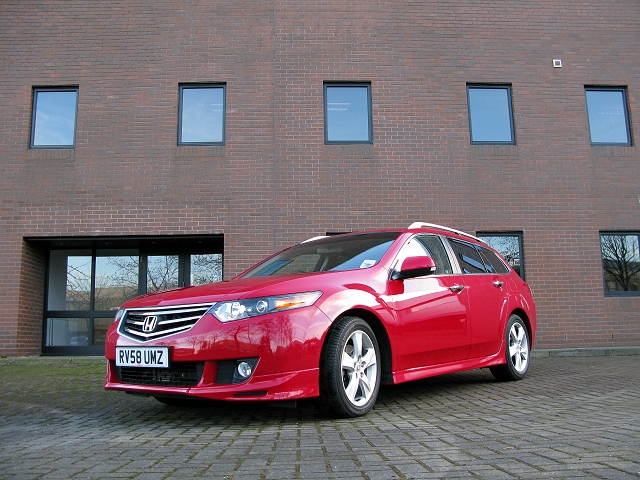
point(517, 351)
point(349, 369)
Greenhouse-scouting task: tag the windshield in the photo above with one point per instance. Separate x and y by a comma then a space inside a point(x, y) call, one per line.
point(342, 252)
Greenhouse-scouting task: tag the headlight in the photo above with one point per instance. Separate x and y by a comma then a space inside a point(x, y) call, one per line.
point(252, 307)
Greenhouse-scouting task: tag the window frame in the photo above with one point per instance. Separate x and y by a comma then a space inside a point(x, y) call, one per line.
point(367, 85)
point(519, 236)
point(625, 106)
point(194, 86)
point(34, 111)
point(492, 86)
point(622, 293)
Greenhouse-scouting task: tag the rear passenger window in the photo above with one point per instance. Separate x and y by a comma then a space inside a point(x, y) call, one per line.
point(493, 263)
point(468, 257)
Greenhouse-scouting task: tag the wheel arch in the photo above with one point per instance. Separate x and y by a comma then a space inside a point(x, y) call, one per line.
point(382, 338)
point(525, 318)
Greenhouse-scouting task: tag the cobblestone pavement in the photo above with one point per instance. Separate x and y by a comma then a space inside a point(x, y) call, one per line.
point(570, 418)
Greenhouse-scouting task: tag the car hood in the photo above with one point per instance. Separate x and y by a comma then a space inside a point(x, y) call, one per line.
point(229, 290)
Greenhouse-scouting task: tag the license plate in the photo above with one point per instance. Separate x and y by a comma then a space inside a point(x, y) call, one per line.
point(155, 357)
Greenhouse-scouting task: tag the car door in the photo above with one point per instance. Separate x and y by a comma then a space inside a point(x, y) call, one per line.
point(431, 311)
point(487, 293)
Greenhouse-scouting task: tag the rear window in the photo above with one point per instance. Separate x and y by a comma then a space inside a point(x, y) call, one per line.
point(493, 263)
point(348, 252)
point(468, 257)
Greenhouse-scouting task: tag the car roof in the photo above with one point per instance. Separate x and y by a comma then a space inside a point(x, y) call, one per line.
point(434, 226)
point(423, 226)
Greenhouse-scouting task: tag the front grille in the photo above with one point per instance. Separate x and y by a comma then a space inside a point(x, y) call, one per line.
point(144, 324)
point(185, 374)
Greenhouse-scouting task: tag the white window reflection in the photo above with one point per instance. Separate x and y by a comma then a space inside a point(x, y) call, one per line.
point(206, 268)
point(201, 115)
point(608, 123)
point(347, 114)
point(54, 118)
point(490, 114)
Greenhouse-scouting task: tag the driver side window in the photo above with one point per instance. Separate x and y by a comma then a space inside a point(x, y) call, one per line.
point(429, 246)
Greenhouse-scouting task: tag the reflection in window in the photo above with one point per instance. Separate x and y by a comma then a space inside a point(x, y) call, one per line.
point(509, 245)
point(468, 257)
point(162, 272)
point(116, 281)
point(54, 117)
point(69, 281)
point(206, 268)
point(85, 288)
point(347, 113)
point(100, 327)
point(201, 118)
point(620, 263)
point(490, 116)
point(68, 332)
point(607, 112)
point(327, 254)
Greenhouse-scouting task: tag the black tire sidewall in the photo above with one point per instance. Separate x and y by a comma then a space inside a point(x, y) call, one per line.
point(513, 373)
point(332, 391)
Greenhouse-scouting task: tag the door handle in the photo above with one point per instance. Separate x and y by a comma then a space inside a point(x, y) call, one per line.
point(456, 288)
point(498, 283)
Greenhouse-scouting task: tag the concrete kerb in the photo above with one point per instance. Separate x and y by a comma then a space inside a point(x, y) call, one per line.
point(543, 353)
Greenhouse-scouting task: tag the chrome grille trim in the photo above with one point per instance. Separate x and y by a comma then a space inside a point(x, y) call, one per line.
point(170, 320)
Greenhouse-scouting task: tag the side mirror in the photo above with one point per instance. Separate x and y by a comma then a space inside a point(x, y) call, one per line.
point(413, 267)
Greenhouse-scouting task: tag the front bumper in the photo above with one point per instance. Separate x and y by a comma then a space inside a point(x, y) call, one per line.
point(278, 386)
point(287, 348)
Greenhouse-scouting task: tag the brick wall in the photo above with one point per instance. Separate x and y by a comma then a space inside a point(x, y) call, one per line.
point(274, 182)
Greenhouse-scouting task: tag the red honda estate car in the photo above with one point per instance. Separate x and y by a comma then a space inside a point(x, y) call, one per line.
point(332, 318)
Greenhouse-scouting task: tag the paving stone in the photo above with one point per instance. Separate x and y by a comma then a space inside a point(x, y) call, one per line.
point(572, 417)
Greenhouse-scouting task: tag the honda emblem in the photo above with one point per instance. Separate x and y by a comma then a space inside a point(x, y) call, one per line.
point(149, 324)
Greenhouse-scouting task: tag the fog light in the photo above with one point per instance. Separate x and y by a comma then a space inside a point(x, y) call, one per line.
point(244, 369)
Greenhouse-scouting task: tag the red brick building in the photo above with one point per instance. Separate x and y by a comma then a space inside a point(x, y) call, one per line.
point(144, 142)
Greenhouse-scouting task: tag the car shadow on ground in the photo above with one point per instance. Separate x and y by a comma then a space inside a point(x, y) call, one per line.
point(430, 392)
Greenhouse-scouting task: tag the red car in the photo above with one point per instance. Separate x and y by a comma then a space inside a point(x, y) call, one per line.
point(333, 318)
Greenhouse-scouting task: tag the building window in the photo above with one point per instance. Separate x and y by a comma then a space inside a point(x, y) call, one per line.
point(608, 116)
point(53, 120)
point(490, 114)
point(509, 245)
point(87, 282)
point(347, 113)
point(201, 119)
point(620, 263)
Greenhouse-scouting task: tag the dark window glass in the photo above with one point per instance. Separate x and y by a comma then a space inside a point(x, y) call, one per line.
point(53, 123)
point(347, 113)
point(468, 257)
point(509, 245)
point(202, 115)
point(620, 263)
point(492, 263)
point(490, 116)
point(608, 118)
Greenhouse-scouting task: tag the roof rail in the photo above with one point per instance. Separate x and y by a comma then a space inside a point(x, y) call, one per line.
point(440, 227)
point(315, 238)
